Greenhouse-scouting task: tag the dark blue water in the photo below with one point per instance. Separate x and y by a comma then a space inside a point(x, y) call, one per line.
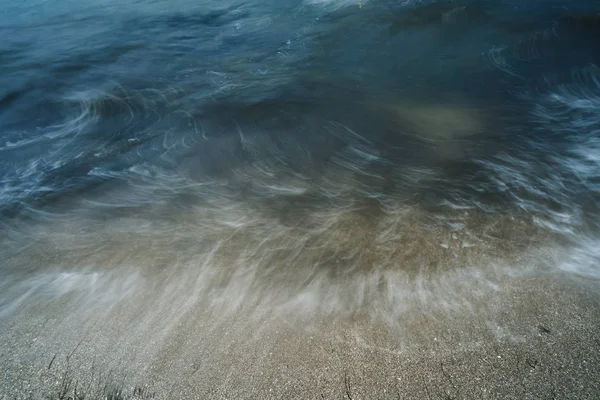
point(499, 101)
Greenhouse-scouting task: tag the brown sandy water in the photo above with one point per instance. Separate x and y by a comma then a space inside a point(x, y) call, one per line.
point(234, 298)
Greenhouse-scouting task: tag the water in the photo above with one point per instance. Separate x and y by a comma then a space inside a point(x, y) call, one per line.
point(314, 157)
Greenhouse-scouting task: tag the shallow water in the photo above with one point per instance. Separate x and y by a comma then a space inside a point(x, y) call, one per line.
point(306, 158)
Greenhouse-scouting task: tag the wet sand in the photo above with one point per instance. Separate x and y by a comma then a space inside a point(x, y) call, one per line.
point(536, 338)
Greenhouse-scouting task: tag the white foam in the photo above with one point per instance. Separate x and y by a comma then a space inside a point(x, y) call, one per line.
point(332, 5)
point(93, 288)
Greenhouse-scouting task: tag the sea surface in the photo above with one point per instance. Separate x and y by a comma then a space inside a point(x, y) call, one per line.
point(498, 101)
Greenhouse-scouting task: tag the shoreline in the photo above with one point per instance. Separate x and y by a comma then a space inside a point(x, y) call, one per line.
point(536, 337)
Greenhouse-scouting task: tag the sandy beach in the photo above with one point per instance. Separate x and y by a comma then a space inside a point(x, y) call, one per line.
point(161, 328)
point(537, 340)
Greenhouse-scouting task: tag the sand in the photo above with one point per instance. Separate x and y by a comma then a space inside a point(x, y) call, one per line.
point(536, 337)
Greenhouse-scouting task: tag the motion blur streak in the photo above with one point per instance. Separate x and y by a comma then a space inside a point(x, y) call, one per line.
point(213, 181)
